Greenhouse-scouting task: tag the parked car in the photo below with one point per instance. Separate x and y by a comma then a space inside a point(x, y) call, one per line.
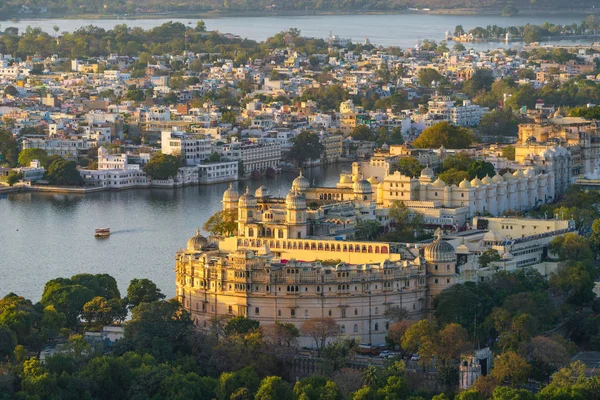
point(385, 354)
point(415, 357)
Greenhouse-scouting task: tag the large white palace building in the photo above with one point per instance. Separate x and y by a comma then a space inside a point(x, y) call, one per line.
point(290, 262)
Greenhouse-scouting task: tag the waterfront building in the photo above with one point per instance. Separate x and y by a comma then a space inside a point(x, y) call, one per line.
point(290, 263)
point(66, 148)
point(192, 148)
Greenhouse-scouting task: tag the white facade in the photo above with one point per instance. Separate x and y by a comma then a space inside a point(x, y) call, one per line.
point(218, 172)
point(192, 148)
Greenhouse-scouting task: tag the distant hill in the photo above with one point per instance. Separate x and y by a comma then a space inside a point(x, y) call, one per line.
point(27, 8)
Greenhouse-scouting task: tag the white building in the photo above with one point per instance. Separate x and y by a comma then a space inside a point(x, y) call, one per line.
point(192, 148)
point(225, 171)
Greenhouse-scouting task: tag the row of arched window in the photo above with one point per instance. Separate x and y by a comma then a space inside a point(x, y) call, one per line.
point(277, 244)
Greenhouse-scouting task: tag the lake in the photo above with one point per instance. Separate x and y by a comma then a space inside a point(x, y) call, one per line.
point(45, 236)
point(403, 30)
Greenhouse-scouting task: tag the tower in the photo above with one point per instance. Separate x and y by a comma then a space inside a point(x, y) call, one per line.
point(230, 198)
point(247, 209)
point(441, 266)
point(295, 204)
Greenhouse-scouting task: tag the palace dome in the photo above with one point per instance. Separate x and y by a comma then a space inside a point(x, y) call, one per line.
point(247, 200)
point(427, 173)
point(497, 178)
point(464, 184)
point(439, 250)
point(261, 192)
point(439, 183)
point(231, 195)
point(486, 180)
point(295, 200)
point(475, 182)
point(362, 186)
point(196, 242)
point(300, 183)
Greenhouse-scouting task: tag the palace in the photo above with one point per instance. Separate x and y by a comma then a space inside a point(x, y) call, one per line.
point(289, 261)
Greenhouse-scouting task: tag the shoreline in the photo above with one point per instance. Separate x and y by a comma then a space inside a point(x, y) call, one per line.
point(215, 14)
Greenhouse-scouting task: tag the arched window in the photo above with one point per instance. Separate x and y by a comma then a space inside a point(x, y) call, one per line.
point(364, 249)
point(384, 249)
point(355, 328)
point(376, 328)
point(250, 232)
point(268, 234)
point(370, 249)
point(292, 313)
point(376, 249)
point(343, 329)
point(249, 214)
point(356, 311)
point(280, 234)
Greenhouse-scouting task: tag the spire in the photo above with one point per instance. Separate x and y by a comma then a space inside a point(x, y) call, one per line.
point(247, 189)
point(438, 234)
point(230, 185)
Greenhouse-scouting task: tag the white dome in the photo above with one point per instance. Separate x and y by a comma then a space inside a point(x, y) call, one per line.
point(497, 178)
point(427, 173)
point(231, 194)
point(464, 184)
point(362, 186)
point(300, 183)
point(247, 200)
point(475, 182)
point(486, 180)
point(196, 242)
point(295, 201)
point(439, 250)
point(438, 183)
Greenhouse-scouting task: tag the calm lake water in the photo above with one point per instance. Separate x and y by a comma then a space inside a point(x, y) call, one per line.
point(44, 236)
point(403, 30)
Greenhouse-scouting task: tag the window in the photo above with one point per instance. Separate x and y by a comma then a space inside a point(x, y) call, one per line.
point(376, 310)
point(330, 313)
point(257, 311)
point(230, 309)
point(293, 313)
point(355, 329)
point(343, 313)
point(435, 281)
point(356, 311)
point(306, 313)
point(343, 329)
point(376, 328)
point(279, 313)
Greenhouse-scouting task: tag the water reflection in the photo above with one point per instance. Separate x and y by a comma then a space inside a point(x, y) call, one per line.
point(44, 236)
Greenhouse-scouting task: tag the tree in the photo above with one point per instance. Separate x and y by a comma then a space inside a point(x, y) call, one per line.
point(367, 230)
point(396, 331)
point(66, 298)
point(214, 157)
point(306, 146)
point(481, 169)
point(488, 256)
point(240, 325)
point(395, 313)
point(348, 380)
point(10, 90)
point(510, 368)
point(273, 388)
point(162, 166)
point(98, 311)
point(320, 329)
point(26, 156)
point(8, 342)
point(421, 338)
point(13, 177)
point(228, 117)
point(143, 291)
point(280, 338)
point(571, 246)
point(500, 123)
point(509, 152)
point(453, 176)
point(444, 134)
point(362, 132)
point(8, 148)
point(409, 166)
point(222, 223)
point(482, 79)
point(62, 172)
point(317, 387)
point(428, 75)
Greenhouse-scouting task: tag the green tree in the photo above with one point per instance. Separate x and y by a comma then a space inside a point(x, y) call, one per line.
point(26, 156)
point(143, 291)
point(367, 230)
point(509, 152)
point(13, 177)
point(62, 172)
point(306, 146)
point(453, 176)
point(510, 368)
point(8, 148)
point(362, 132)
point(273, 388)
point(428, 75)
point(571, 246)
point(488, 256)
point(67, 298)
point(222, 223)
point(98, 311)
point(240, 326)
point(162, 166)
point(408, 166)
point(8, 342)
point(228, 117)
point(481, 169)
point(444, 134)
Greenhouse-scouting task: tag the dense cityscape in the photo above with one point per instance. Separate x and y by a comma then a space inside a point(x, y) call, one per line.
point(455, 256)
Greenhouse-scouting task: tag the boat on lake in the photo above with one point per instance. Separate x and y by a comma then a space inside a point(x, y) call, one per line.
point(102, 233)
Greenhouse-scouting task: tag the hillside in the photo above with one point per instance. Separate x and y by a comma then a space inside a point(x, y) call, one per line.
point(28, 8)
